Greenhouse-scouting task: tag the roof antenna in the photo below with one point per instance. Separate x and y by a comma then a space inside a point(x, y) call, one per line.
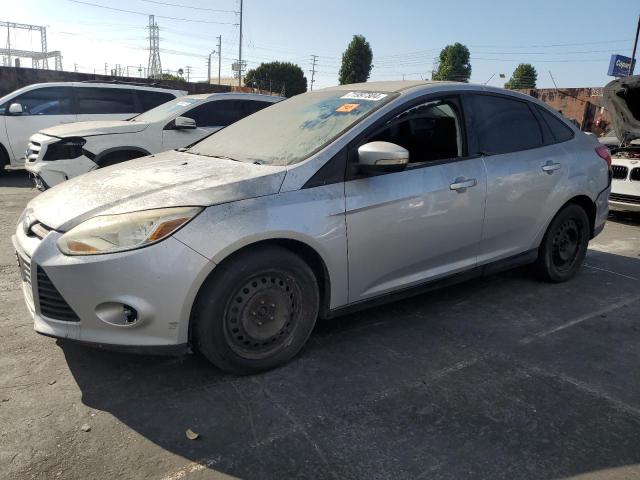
point(489, 79)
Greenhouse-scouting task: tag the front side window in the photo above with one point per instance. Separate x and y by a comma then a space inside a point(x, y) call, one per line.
point(503, 125)
point(292, 130)
point(92, 100)
point(430, 131)
point(45, 101)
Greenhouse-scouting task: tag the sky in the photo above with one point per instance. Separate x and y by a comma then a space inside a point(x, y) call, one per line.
point(567, 39)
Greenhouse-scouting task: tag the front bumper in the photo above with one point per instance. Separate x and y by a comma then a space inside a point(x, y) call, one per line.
point(160, 282)
point(51, 173)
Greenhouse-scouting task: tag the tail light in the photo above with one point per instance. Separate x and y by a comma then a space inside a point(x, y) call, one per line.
point(604, 153)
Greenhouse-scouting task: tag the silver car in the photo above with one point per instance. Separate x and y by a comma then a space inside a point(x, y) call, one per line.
point(319, 205)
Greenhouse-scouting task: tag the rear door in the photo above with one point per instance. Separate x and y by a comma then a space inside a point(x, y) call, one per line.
point(105, 103)
point(425, 222)
point(41, 108)
point(525, 173)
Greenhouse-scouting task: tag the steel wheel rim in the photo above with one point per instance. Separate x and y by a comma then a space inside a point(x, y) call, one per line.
point(261, 315)
point(566, 245)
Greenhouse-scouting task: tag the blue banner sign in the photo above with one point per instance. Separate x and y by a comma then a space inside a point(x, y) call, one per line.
point(619, 66)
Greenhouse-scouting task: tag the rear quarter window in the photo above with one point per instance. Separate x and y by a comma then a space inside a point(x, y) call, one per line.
point(149, 99)
point(560, 131)
point(503, 125)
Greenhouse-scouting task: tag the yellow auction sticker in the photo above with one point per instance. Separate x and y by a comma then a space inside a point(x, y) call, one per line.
point(347, 107)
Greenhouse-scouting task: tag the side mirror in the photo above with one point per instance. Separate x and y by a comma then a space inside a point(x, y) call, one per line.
point(15, 108)
point(184, 123)
point(382, 157)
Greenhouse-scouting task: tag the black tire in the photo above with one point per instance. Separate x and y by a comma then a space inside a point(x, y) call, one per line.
point(4, 160)
point(256, 311)
point(564, 245)
point(118, 157)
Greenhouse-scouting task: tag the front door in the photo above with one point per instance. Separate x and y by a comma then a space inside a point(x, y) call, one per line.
point(41, 108)
point(425, 222)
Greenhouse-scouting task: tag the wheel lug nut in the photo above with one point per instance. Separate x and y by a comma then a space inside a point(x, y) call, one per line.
point(270, 318)
point(261, 302)
point(259, 324)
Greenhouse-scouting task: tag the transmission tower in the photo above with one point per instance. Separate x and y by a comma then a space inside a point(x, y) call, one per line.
point(38, 59)
point(154, 69)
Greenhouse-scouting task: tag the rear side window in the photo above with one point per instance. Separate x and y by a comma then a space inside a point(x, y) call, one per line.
point(105, 100)
point(45, 101)
point(560, 131)
point(503, 125)
point(219, 113)
point(252, 106)
point(149, 99)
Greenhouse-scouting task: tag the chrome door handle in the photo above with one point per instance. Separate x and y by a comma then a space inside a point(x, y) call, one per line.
point(550, 167)
point(460, 185)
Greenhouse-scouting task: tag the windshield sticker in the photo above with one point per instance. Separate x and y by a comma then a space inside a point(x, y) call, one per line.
point(370, 96)
point(347, 107)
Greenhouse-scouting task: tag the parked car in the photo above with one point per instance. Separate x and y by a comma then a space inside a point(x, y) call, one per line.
point(35, 107)
point(65, 151)
point(322, 204)
point(622, 97)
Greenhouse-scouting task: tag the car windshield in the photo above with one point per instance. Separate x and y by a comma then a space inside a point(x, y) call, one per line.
point(165, 110)
point(290, 131)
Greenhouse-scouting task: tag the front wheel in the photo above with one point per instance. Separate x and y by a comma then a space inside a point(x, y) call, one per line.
point(256, 311)
point(564, 245)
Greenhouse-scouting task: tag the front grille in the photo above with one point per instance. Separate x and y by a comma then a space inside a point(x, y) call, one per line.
point(619, 197)
point(635, 175)
point(52, 305)
point(619, 172)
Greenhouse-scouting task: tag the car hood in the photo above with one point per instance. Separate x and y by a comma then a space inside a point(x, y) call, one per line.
point(87, 129)
point(170, 179)
point(622, 99)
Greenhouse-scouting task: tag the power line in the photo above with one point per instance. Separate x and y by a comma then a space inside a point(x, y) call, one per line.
point(146, 14)
point(157, 2)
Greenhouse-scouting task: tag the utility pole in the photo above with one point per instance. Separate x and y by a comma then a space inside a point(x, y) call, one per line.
point(105, 68)
point(314, 60)
point(240, 50)
point(209, 67)
point(188, 72)
point(219, 58)
point(9, 43)
point(635, 46)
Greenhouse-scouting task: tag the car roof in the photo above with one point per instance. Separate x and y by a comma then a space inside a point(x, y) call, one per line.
point(395, 86)
point(234, 95)
point(102, 85)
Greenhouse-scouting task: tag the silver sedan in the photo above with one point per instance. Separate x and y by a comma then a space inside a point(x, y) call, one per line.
point(328, 202)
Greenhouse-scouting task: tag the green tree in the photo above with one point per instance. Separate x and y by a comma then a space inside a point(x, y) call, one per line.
point(524, 76)
point(285, 77)
point(169, 76)
point(453, 64)
point(356, 61)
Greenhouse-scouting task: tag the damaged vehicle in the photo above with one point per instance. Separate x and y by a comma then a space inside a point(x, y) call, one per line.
point(66, 151)
point(322, 204)
point(622, 99)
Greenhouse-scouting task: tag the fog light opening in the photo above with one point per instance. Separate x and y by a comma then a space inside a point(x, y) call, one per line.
point(130, 314)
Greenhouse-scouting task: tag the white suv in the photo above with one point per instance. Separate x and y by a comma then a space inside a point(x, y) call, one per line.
point(65, 151)
point(32, 108)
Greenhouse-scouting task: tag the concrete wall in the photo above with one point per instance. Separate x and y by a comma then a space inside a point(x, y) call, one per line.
point(584, 105)
point(13, 78)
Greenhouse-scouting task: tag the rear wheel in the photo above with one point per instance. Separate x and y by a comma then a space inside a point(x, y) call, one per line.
point(564, 245)
point(256, 311)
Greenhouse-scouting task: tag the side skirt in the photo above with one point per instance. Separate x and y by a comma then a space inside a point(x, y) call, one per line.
point(484, 270)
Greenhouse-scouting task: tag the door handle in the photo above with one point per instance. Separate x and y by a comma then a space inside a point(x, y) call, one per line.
point(461, 184)
point(551, 167)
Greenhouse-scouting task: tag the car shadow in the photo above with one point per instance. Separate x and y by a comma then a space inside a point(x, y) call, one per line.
point(441, 382)
point(15, 179)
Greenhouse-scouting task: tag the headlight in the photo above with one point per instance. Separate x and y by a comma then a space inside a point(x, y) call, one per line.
point(65, 149)
point(117, 233)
